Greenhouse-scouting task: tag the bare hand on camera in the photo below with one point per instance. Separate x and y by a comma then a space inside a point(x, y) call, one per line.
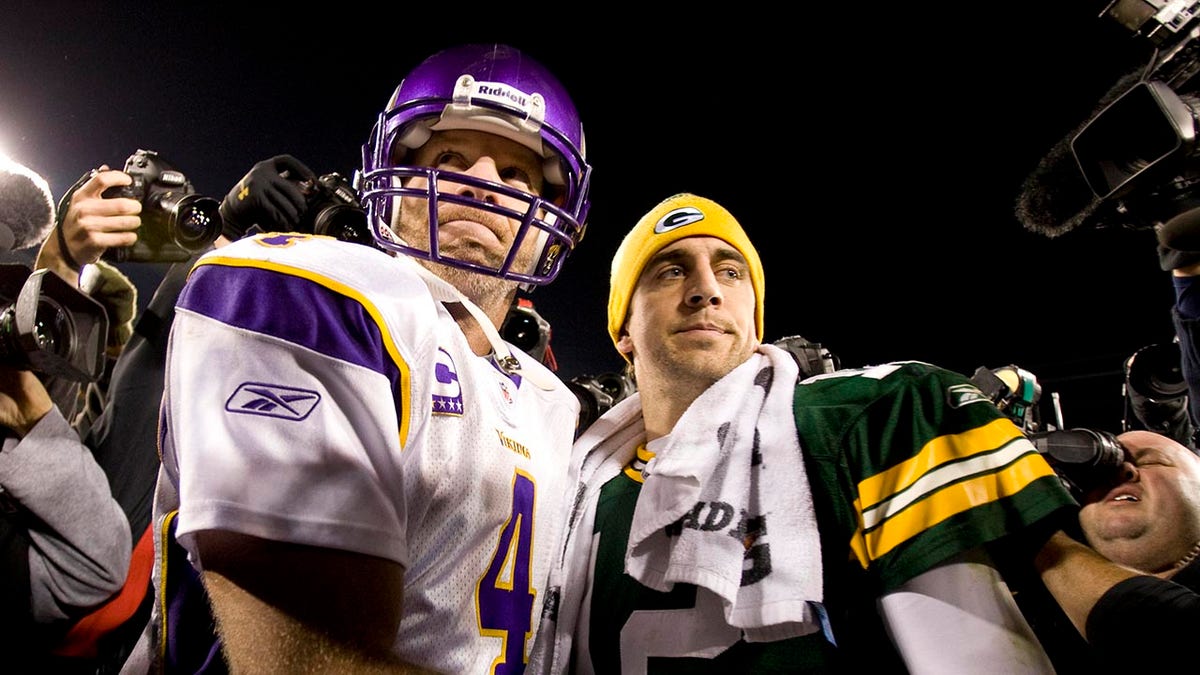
point(92, 225)
point(271, 197)
point(23, 400)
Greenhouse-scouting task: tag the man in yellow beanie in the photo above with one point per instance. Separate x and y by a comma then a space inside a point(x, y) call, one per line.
point(733, 516)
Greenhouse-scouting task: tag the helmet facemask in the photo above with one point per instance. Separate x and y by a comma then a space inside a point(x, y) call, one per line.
point(554, 223)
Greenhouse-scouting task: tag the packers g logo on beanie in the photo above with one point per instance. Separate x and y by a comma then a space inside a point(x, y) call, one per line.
point(676, 217)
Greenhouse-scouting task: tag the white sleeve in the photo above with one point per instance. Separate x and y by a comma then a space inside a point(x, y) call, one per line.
point(961, 618)
point(273, 440)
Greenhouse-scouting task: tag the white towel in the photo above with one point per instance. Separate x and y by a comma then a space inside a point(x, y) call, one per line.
point(732, 471)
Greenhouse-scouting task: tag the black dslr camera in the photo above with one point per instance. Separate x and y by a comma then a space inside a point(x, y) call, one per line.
point(598, 393)
point(333, 209)
point(1083, 459)
point(177, 223)
point(525, 328)
point(1156, 392)
point(48, 326)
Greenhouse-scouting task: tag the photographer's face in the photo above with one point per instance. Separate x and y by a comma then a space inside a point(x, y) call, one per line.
point(465, 232)
point(1152, 518)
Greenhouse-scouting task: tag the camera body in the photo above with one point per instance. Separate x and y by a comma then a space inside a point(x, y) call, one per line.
point(1156, 393)
point(333, 209)
point(598, 393)
point(49, 326)
point(812, 357)
point(525, 328)
point(1083, 459)
point(177, 223)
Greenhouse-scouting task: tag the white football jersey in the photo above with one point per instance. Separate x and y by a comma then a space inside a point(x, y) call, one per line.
point(316, 393)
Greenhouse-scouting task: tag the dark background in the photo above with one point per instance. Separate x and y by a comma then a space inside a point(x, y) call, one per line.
point(875, 156)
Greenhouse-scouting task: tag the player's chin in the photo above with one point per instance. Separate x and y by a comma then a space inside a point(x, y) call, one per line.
point(489, 253)
point(699, 347)
point(705, 340)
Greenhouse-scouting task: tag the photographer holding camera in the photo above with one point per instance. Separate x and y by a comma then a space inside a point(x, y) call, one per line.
point(64, 541)
point(1136, 581)
point(147, 212)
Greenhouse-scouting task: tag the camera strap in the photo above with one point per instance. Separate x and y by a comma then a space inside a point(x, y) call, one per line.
point(60, 214)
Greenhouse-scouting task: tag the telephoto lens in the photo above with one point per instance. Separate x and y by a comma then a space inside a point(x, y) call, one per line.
point(1085, 459)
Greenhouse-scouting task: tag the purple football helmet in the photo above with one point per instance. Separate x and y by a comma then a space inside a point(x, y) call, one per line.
point(497, 89)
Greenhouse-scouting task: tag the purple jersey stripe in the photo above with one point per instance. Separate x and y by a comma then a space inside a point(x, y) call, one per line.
point(291, 308)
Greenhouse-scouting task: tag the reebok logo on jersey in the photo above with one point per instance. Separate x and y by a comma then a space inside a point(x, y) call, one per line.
point(960, 395)
point(272, 400)
point(685, 215)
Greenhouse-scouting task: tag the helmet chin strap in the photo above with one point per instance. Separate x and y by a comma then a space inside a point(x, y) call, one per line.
point(444, 292)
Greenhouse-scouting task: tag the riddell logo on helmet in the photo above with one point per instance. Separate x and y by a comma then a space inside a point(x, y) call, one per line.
point(499, 90)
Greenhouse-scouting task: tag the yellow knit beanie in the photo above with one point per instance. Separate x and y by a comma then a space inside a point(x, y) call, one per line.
point(683, 215)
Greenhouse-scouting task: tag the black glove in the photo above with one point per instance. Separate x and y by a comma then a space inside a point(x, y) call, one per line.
point(270, 198)
point(1169, 258)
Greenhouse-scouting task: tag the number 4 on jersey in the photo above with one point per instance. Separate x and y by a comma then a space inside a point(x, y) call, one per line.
point(504, 595)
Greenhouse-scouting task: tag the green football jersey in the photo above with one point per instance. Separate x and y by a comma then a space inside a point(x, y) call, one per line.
point(908, 464)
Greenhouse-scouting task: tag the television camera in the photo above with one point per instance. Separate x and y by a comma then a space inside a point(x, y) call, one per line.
point(1133, 163)
point(48, 326)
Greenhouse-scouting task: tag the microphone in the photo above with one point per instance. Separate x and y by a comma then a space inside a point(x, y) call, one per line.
point(1055, 197)
point(27, 211)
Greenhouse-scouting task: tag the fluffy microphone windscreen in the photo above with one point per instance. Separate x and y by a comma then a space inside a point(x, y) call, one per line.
point(26, 206)
point(1055, 197)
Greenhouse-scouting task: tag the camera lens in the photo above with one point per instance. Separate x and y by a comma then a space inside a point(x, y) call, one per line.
point(1084, 458)
point(1156, 371)
point(521, 330)
point(342, 221)
point(52, 328)
point(614, 384)
point(195, 222)
point(53, 334)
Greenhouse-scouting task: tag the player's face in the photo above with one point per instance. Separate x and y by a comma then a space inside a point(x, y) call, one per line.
point(692, 312)
point(1152, 518)
point(465, 232)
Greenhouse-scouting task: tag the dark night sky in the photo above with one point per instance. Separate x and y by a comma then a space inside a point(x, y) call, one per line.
point(874, 156)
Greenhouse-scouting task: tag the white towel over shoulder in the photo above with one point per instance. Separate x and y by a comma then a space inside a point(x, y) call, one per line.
point(726, 504)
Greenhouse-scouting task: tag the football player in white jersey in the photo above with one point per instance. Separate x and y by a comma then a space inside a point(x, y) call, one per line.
point(368, 476)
